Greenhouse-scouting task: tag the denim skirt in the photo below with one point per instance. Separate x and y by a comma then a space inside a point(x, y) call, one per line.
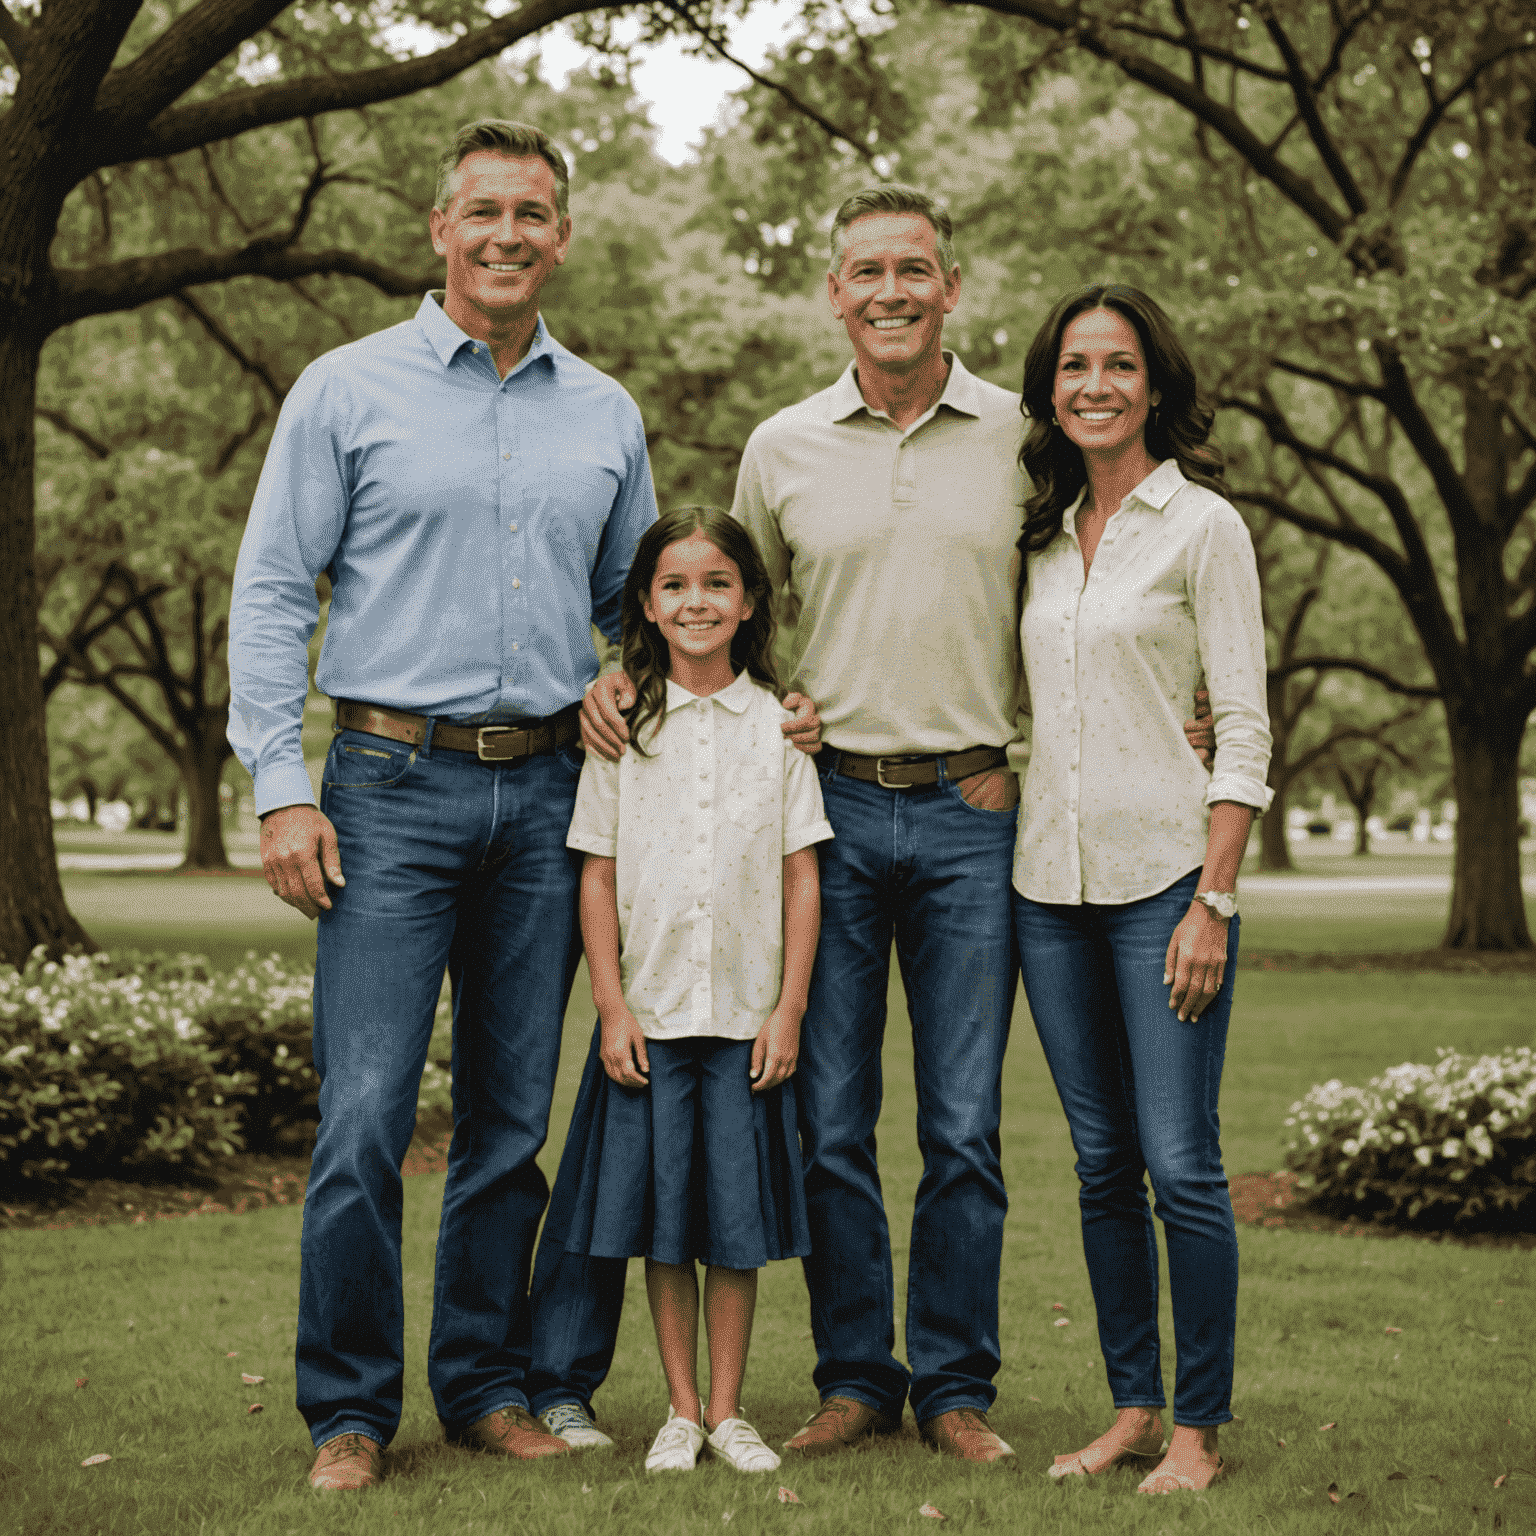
point(694, 1167)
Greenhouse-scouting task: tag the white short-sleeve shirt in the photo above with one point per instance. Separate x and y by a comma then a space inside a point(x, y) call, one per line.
point(700, 829)
point(1116, 803)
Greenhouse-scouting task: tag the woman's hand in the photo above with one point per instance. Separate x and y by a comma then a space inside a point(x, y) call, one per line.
point(623, 1050)
point(603, 729)
point(1197, 961)
point(776, 1051)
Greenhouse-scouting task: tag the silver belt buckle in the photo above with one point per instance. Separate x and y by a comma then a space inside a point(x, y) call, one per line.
point(880, 776)
point(480, 743)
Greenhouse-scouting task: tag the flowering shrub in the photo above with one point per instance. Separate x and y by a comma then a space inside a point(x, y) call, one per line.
point(1452, 1145)
point(115, 1063)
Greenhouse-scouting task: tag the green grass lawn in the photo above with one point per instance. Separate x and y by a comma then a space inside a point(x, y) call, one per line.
point(1425, 1420)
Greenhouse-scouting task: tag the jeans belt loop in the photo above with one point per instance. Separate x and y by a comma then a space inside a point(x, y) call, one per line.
point(425, 749)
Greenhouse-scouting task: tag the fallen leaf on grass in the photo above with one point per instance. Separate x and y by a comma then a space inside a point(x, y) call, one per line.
point(1280, 1443)
point(1501, 1479)
point(1034, 1399)
point(1058, 1306)
point(1394, 1330)
point(251, 1381)
point(1333, 1493)
point(586, 1487)
point(725, 1519)
point(1334, 1425)
point(931, 1512)
point(80, 1381)
point(788, 1496)
point(254, 1408)
point(230, 1354)
point(95, 1461)
point(1063, 1322)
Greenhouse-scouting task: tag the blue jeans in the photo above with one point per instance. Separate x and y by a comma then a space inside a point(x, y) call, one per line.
point(1140, 1091)
point(449, 862)
point(923, 867)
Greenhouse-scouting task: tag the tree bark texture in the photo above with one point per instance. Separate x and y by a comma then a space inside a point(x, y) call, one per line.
point(202, 772)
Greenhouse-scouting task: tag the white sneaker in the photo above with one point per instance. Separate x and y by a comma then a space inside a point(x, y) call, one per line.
point(736, 1442)
point(676, 1446)
point(573, 1424)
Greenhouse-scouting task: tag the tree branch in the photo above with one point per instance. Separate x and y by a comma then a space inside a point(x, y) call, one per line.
point(827, 126)
point(127, 284)
point(177, 129)
point(1431, 120)
point(1306, 105)
point(92, 444)
point(174, 62)
point(228, 344)
point(1223, 120)
point(1358, 388)
point(1350, 664)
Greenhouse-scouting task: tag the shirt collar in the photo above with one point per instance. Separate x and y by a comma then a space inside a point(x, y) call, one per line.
point(735, 698)
point(1154, 493)
point(962, 392)
point(446, 338)
point(1158, 489)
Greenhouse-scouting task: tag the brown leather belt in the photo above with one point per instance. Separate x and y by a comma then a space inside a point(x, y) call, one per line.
point(919, 771)
point(490, 743)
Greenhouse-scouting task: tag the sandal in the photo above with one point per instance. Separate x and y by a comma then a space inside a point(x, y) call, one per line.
point(1104, 1453)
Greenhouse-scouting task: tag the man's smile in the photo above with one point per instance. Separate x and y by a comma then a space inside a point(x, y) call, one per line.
point(894, 322)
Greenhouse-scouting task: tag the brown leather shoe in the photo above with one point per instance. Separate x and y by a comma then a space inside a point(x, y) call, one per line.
point(347, 1463)
point(965, 1433)
point(838, 1425)
point(512, 1432)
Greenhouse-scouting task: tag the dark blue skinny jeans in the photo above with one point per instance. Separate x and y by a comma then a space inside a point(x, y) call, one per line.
point(449, 862)
point(1140, 1091)
point(923, 867)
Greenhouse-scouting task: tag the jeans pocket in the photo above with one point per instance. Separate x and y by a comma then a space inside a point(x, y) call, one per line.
point(360, 761)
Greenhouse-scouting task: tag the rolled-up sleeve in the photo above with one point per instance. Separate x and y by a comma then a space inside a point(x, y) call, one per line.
point(296, 523)
point(595, 821)
point(1229, 620)
point(805, 816)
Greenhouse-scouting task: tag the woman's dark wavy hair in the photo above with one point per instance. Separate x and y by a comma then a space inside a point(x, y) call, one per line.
point(645, 655)
point(1178, 428)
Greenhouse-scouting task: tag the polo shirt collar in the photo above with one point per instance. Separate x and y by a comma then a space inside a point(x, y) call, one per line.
point(735, 698)
point(962, 392)
point(446, 338)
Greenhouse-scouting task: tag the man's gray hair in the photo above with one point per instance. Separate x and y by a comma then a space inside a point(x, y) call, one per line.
point(501, 137)
point(893, 197)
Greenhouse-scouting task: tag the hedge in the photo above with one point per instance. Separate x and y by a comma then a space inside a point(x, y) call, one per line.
point(1444, 1147)
point(113, 1065)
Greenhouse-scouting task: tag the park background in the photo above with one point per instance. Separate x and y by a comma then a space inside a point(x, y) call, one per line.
point(1335, 203)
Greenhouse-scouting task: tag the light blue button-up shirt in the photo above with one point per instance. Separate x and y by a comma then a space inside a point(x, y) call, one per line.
point(473, 528)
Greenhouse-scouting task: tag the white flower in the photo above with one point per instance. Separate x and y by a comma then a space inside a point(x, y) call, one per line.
point(1451, 1148)
point(1423, 1156)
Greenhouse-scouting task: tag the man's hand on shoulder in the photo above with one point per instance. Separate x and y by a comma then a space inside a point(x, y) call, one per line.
point(804, 731)
point(603, 728)
point(299, 856)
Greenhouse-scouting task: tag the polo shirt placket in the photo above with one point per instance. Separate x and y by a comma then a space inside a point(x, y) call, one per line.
point(702, 947)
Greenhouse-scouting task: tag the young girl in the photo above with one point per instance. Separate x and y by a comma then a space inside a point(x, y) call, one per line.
point(699, 912)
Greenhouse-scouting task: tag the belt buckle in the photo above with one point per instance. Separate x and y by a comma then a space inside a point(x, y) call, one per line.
point(880, 776)
point(481, 743)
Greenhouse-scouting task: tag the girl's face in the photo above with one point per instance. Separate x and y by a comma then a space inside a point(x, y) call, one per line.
point(698, 601)
point(1102, 394)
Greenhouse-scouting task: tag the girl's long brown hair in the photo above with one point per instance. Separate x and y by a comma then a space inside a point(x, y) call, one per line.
point(645, 656)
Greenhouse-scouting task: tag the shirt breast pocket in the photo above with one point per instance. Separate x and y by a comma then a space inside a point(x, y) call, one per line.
point(752, 798)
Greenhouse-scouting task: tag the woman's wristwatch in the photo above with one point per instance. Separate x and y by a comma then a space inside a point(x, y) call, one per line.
point(1222, 904)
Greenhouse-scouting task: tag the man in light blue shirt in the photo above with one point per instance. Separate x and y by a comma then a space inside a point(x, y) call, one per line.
point(474, 492)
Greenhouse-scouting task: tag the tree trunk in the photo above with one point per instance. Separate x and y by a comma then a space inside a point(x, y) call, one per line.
point(32, 909)
point(1487, 901)
point(202, 771)
point(1274, 833)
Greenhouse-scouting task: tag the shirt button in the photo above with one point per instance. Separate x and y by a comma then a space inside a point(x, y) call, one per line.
point(506, 455)
point(516, 582)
